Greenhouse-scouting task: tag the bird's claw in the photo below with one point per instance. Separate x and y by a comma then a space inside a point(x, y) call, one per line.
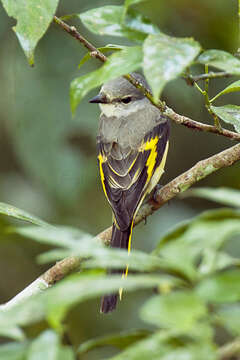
point(155, 192)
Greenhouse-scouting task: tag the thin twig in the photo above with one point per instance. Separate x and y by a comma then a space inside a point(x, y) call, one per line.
point(73, 32)
point(195, 125)
point(180, 119)
point(181, 183)
point(191, 79)
point(229, 350)
point(208, 104)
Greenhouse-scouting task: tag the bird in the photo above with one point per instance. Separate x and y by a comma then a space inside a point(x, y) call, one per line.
point(132, 146)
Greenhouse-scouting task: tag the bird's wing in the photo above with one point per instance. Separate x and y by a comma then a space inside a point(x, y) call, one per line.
point(126, 173)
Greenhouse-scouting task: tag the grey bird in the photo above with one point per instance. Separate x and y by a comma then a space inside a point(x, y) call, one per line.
point(132, 145)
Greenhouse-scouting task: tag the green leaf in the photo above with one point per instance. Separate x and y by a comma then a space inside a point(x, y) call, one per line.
point(221, 60)
point(27, 312)
point(213, 261)
point(12, 211)
point(180, 255)
point(165, 58)
point(66, 353)
point(123, 62)
point(235, 86)
point(57, 235)
point(120, 340)
point(174, 250)
point(108, 20)
point(32, 21)
point(104, 49)
point(218, 215)
point(56, 301)
point(132, 2)
point(223, 287)
point(162, 346)
point(105, 20)
point(179, 230)
point(228, 113)
point(14, 333)
point(141, 24)
point(189, 241)
point(193, 352)
point(203, 332)
point(201, 231)
point(13, 351)
point(102, 257)
point(194, 243)
point(179, 311)
point(153, 347)
point(77, 288)
point(172, 234)
point(45, 346)
point(54, 255)
point(77, 243)
point(229, 317)
point(136, 260)
point(221, 195)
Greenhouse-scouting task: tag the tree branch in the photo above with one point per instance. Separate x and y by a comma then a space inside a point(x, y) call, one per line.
point(181, 183)
point(191, 79)
point(73, 32)
point(229, 350)
point(179, 119)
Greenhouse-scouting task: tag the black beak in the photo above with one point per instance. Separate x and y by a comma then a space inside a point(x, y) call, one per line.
point(100, 98)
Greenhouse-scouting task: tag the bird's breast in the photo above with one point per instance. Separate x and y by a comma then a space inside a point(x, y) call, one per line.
point(127, 125)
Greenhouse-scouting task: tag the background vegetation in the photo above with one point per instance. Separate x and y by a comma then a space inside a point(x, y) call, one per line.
point(48, 168)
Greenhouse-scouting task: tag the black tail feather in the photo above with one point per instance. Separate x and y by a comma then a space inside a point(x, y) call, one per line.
point(108, 303)
point(120, 239)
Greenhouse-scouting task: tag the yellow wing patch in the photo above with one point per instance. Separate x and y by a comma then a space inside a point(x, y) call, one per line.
point(101, 161)
point(158, 171)
point(151, 161)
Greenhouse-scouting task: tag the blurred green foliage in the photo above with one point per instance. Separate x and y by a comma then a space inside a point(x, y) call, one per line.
point(48, 168)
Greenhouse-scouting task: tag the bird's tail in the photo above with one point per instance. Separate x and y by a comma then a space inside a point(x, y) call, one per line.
point(120, 239)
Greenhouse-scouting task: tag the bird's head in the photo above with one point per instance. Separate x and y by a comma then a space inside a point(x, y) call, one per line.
point(119, 96)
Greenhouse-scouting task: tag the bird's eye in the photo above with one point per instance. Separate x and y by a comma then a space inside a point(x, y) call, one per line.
point(126, 100)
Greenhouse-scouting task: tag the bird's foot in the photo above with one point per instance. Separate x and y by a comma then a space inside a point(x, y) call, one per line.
point(155, 192)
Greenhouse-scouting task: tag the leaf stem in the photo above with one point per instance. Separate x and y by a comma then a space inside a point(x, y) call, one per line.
point(73, 32)
point(208, 104)
point(192, 79)
point(199, 88)
point(206, 85)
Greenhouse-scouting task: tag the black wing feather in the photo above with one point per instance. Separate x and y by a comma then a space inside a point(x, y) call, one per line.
point(125, 178)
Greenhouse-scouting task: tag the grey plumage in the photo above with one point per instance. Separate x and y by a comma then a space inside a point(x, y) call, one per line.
point(129, 130)
point(120, 87)
point(130, 121)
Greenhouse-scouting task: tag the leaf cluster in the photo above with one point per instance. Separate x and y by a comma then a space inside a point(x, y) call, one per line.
point(195, 277)
point(162, 58)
